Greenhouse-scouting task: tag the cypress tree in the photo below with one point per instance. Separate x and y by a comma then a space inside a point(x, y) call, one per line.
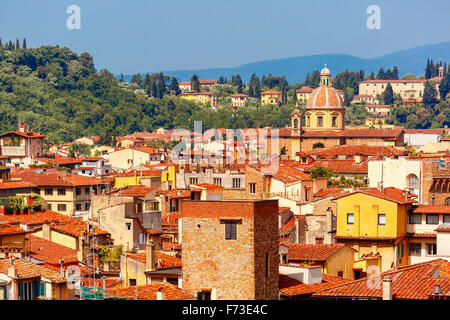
point(307, 80)
point(24, 43)
point(381, 74)
point(153, 88)
point(174, 86)
point(160, 88)
point(0, 42)
point(195, 84)
point(388, 94)
point(395, 73)
point(17, 44)
point(444, 86)
point(428, 70)
point(429, 95)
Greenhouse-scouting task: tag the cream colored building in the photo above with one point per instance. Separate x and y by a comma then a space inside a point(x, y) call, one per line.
point(401, 173)
point(130, 158)
point(239, 100)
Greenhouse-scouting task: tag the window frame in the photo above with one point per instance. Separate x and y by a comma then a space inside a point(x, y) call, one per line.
point(353, 218)
point(230, 229)
point(379, 216)
point(432, 215)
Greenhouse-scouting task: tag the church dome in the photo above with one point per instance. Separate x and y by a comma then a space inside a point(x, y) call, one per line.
point(325, 97)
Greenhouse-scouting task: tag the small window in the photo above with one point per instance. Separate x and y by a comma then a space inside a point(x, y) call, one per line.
point(62, 207)
point(230, 230)
point(252, 188)
point(415, 218)
point(78, 191)
point(432, 219)
point(78, 206)
point(48, 191)
point(340, 274)
point(415, 249)
point(382, 219)
point(350, 218)
point(447, 202)
point(334, 121)
point(61, 192)
point(267, 264)
point(49, 206)
point(431, 249)
point(86, 190)
point(132, 282)
point(236, 182)
point(193, 180)
point(446, 218)
point(87, 205)
point(128, 226)
point(218, 181)
point(320, 121)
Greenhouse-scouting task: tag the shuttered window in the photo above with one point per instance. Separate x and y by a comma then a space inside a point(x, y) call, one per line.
point(230, 230)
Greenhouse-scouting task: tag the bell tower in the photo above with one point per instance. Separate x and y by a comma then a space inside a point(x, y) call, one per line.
point(296, 131)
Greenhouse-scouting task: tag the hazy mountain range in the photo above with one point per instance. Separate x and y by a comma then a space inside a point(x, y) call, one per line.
point(295, 69)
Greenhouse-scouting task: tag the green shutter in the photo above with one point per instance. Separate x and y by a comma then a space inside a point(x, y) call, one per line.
point(403, 247)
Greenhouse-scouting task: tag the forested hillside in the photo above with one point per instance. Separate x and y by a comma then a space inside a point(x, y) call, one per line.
point(60, 93)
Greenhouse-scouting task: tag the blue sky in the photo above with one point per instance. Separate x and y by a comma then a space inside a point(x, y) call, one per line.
point(148, 35)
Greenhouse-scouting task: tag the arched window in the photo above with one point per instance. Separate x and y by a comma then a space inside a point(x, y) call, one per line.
point(295, 123)
point(447, 202)
point(412, 181)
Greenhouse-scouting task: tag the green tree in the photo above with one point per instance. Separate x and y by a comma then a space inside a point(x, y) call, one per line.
point(318, 145)
point(388, 94)
point(195, 83)
point(444, 86)
point(429, 95)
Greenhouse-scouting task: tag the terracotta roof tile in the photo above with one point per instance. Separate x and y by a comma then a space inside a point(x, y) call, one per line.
point(411, 282)
point(148, 292)
point(50, 252)
point(311, 252)
point(293, 287)
point(29, 270)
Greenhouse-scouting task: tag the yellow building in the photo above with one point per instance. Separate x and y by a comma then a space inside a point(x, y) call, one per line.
point(373, 222)
point(239, 100)
point(204, 97)
point(303, 94)
point(271, 97)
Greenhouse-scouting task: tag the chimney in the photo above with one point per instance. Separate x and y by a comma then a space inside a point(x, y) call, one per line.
point(12, 272)
point(380, 186)
point(46, 232)
point(387, 288)
point(150, 256)
point(358, 158)
point(160, 294)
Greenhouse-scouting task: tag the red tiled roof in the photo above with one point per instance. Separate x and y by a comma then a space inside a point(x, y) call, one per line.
point(162, 260)
point(293, 287)
point(59, 160)
point(50, 252)
point(7, 230)
point(139, 173)
point(390, 194)
point(340, 166)
point(349, 150)
point(289, 225)
point(289, 174)
point(271, 92)
point(148, 292)
point(16, 184)
point(432, 209)
point(37, 218)
point(305, 90)
point(76, 228)
point(423, 235)
point(29, 270)
point(52, 177)
point(311, 252)
point(208, 186)
point(325, 192)
point(136, 191)
point(239, 95)
point(414, 282)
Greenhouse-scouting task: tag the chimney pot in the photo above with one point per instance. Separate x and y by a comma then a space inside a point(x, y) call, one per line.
point(160, 294)
point(387, 288)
